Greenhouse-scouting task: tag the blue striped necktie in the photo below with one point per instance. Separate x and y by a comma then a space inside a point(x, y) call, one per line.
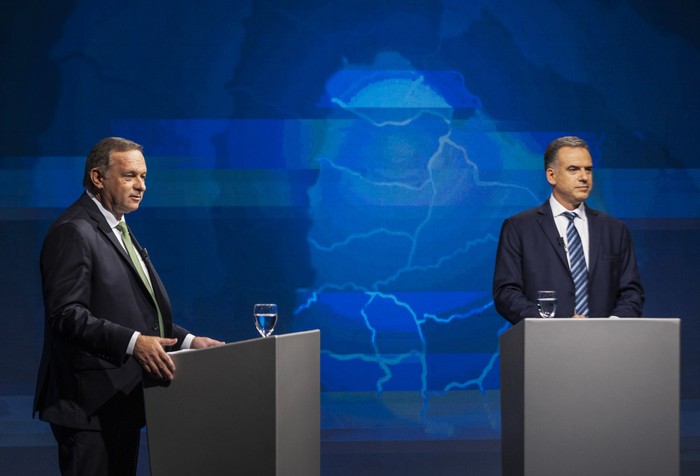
point(577, 262)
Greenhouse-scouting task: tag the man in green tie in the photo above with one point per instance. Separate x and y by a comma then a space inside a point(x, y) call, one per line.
point(107, 318)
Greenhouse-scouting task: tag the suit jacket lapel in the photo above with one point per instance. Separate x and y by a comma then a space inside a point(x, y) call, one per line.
point(549, 228)
point(594, 238)
point(146, 261)
point(158, 289)
point(102, 225)
point(108, 233)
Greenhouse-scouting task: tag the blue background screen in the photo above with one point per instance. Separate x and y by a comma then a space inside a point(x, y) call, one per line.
point(352, 161)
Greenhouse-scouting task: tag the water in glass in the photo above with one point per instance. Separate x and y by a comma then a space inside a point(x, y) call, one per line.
point(265, 318)
point(547, 303)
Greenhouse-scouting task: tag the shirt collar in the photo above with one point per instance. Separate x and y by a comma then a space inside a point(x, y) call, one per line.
point(111, 220)
point(558, 208)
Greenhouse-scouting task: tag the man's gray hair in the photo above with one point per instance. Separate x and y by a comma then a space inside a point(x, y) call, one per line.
point(550, 155)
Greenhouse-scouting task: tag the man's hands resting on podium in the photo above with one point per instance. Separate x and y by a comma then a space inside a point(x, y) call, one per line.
point(150, 353)
point(204, 342)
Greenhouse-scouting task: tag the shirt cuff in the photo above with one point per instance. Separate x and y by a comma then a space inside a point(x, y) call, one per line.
point(187, 342)
point(132, 343)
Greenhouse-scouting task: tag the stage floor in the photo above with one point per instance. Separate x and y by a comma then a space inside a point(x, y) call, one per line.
point(27, 448)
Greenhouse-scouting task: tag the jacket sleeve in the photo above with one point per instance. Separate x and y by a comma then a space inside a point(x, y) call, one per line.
point(630, 293)
point(508, 281)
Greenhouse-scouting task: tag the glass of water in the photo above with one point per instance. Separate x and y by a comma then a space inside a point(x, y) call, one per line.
point(547, 303)
point(265, 318)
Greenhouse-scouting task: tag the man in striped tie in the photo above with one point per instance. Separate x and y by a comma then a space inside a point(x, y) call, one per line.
point(585, 255)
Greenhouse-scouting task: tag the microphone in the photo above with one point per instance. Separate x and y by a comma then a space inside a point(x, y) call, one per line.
point(562, 244)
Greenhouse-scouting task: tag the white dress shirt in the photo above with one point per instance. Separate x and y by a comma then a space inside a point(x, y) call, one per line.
point(562, 223)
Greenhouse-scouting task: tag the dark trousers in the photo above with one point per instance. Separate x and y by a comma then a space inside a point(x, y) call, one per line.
point(112, 451)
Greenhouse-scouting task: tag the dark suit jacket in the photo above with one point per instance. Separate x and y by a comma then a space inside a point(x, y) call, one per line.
point(531, 257)
point(94, 300)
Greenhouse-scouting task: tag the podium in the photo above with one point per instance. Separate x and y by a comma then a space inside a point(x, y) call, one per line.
point(591, 397)
point(250, 407)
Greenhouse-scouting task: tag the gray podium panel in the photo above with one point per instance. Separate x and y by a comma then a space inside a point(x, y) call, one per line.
point(591, 397)
point(244, 408)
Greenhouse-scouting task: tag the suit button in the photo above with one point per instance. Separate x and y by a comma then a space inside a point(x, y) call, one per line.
point(155, 327)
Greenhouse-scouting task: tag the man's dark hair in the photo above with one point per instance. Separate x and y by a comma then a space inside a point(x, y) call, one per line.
point(550, 155)
point(100, 157)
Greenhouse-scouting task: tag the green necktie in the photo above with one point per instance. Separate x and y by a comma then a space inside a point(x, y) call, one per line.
point(129, 245)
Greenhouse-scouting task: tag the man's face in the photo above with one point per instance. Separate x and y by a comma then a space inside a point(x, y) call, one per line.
point(571, 176)
point(121, 190)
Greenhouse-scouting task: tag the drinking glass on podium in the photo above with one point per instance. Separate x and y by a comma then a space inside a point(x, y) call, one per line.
point(547, 303)
point(265, 318)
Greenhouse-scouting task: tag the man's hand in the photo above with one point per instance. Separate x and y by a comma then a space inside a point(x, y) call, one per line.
point(204, 342)
point(150, 353)
point(578, 316)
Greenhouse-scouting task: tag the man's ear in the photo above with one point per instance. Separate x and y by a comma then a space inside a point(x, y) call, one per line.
point(549, 173)
point(96, 178)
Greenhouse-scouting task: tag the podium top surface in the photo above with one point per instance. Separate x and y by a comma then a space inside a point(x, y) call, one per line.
point(255, 340)
point(593, 326)
point(599, 320)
